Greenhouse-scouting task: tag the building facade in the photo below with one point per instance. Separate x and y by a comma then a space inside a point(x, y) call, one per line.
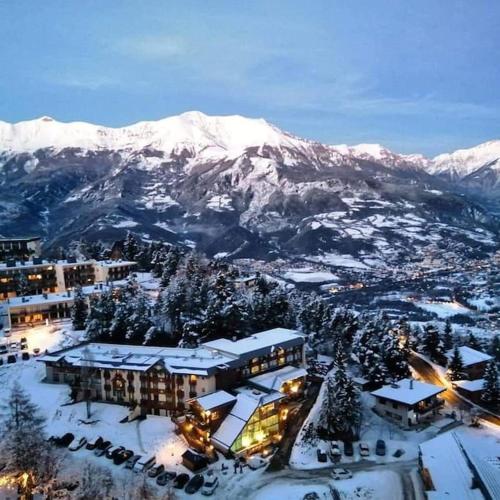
point(193, 384)
point(408, 402)
point(19, 248)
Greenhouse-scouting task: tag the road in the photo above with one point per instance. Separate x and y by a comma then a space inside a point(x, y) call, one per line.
point(427, 373)
point(322, 476)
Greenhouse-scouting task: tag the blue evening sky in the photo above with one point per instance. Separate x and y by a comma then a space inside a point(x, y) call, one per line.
point(414, 75)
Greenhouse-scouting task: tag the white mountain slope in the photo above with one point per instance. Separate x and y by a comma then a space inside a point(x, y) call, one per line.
point(464, 162)
point(203, 135)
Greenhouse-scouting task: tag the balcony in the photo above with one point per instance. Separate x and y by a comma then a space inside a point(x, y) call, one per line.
point(429, 406)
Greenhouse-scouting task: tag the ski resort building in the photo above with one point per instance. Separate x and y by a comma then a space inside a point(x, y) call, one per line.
point(408, 402)
point(209, 389)
point(37, 276)
point(22, 248)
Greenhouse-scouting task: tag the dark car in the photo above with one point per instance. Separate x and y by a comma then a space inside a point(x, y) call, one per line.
point(102, 449)
point(195, 483)
point(180, 481)
point(65, 440)
point(348, 449)
point(11, 358)
point(25, 356)
point(122, 457)
point(380, 448)
point(94, 443)
point(165, 477)
point(398, 453)
point(322, 456)
point(156, 470)
point(113, 451)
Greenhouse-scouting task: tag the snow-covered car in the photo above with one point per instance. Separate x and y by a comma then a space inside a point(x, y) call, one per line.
point(335, 453)
point(341, 474)
point(143, 464)
point(210, 485)
point(94, 443)
point(132, 461)
point(321, 455)
point(364, 449)
point(256, 462)
point(165, 477)
point(113, 451)
point(36, 351)
point(77, 443)
point(156, 470)
point(102, 448)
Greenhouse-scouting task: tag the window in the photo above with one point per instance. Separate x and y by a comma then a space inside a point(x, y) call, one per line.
point(395, 405)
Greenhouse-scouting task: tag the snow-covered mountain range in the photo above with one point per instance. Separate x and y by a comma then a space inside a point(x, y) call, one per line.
point(238, 186)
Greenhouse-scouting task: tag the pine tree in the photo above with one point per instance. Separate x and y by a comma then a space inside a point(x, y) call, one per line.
point(95, 482)
point(138, 322)
point(491, 387)
point(23, 445)
point(472, 342)
point(100, 317)
point(448, 336)
point(79, 309)
point(456, 365)
point(130, 247)
point(433, 345)
point(22, 285)
point(494, 349)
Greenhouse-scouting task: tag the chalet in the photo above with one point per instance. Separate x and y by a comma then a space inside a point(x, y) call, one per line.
point(470, 389)
point(408, 402)
point(474, 362)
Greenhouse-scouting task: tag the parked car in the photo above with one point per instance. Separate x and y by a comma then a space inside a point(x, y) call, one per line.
point(364, 449)
point(156, 470)
point(25, 356)
point(122, 457)
point(94, 443)
point(180, 481)
point(312, 495)
point(341, 474)
point(103, 448)
point(166, 477)
point(77, 443)
point(211, 482)
point(267, 451)
point(144, 463)
point(380, 448)
point(132, 461)
point(335, 453)
point(322, 456)
point(63, 441)
point(3, 349)
point(11, 358)
point(398, 453)
point(256, 462)
point(36, 351)
point(348, 449)
point(194, 484)
point(114, 450)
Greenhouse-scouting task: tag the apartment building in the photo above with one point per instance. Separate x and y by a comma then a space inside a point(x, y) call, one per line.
point(22, 248)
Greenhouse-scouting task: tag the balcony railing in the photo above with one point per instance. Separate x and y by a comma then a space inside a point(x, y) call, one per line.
point(434, 405)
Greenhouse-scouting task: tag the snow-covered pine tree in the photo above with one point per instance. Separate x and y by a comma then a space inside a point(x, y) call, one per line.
point(23, 444)
point(448, 336)
point(130, 247)
point(95, 482)
point(100, 316)
point(473, 342)
point(433, 345)
point(494, 349)
point(456, 365)
point(79, 309)
point(139, 321)
point(394, 355)
point(491, 387)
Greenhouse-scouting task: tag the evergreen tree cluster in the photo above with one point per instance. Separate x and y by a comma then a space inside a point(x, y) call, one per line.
point(381, 352)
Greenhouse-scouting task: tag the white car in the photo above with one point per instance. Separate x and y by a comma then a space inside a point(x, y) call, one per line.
point(210, 485)
point(341, 474)
point(256, 462)
point(335, 453)
point(364, 449)
point(77, 443)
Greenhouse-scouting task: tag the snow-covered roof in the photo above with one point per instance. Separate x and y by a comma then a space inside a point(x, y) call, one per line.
point(408, 391)
point(178, 360)
point(258, 343)
point(215, 399)
point(24, 264)
point(470, 356)
point(470, 385)
point(448, 468)
point(115, 263)
point(20, 238)
point(53, 298)
point(247, 401)
point(276, 379)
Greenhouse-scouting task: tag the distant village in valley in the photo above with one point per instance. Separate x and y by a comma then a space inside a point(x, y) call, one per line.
point(148, 370)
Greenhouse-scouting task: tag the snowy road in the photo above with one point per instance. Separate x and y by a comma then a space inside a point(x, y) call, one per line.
point(316, 477)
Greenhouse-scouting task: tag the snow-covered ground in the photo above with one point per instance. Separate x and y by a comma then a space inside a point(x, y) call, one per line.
point(308, 275)
point(443, 309)
point(373, 427)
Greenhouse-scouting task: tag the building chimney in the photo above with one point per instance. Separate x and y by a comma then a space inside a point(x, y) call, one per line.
point(411, 383)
